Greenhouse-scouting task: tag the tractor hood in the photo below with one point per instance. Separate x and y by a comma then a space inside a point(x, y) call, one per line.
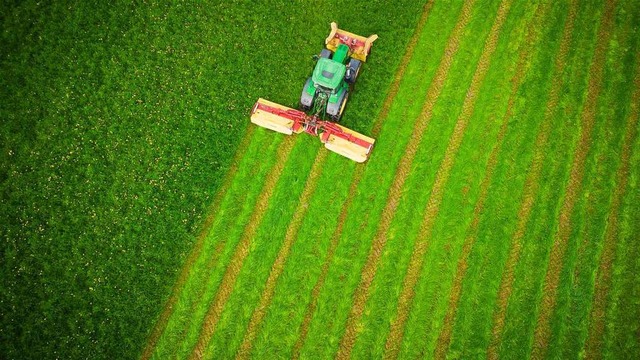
point(328, 73)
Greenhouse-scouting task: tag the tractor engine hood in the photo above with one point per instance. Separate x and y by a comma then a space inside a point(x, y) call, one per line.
point(328, 73)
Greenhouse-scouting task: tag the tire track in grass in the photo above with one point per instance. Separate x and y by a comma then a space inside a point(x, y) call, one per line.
point(531, 186)
point(561, 238)
point(377, 126)
point(444, 339)
point(169, 307)
point(604, 274)
point(392, 346)
point(241, 251)
point(369, 270)
point(278, 265)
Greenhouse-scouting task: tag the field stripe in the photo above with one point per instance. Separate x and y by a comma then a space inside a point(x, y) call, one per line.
point(594, 342)
point(242, 250)
point(369, 270)
point(278, 266)
point(377, 126)
point(444, 339)
point(169, 307)
point(561, 238)
point(531, 186)
point(392, 346)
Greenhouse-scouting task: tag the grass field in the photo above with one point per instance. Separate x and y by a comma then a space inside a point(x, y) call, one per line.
point(498, 216)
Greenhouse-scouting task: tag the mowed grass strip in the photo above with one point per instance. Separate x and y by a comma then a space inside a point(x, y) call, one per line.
point(542, 332)
point(570, 319)
point(433, 206)
point(594, 343)
point(361, 294)
point(335, 237)
point(177, 288)
point(278, 265)
point(531, 41)
point(531, 185)
point(241, 252)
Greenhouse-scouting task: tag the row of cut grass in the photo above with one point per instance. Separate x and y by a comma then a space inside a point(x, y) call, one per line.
point(530, 273)
point(461, 193)
point(621, 333)
point(570, 322)
point(472, 328)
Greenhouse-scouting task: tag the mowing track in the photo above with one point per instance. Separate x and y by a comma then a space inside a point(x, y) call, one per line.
point(531, 186)
point(552, 278)
point(594, 342)
point(362, 291)
point(444, 338)
point(392, 346)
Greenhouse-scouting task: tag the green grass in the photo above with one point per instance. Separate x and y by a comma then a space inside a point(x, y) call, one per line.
point(119, 123)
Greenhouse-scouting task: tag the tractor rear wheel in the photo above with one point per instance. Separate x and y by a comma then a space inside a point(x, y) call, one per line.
point(336, 118)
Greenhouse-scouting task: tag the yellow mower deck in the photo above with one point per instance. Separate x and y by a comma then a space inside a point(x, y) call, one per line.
point(358, 50)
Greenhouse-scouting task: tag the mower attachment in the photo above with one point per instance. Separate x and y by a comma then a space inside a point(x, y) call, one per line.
point(359, 46)
point(336, 138)
point(276, 117)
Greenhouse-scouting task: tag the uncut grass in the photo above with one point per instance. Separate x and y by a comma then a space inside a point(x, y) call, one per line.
point(461, 192)
point(299, 259)
point(569, 324)
point(473, 323)
point(236, 208)
point(520, 320)
point(328, 322)
point(380, 310)
point(621, 338)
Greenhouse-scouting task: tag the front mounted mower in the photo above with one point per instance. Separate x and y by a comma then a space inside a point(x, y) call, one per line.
point(325, 95)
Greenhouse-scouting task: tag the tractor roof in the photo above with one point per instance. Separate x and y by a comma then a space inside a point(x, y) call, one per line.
point(328, 73)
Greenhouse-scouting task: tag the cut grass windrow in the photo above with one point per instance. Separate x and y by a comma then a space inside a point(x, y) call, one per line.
point(392, 346)
point(242, 250)
point(593, 346)
point(335, 238)
point(369, 270)
point(278, 265)
point(530, 187)
point(552, 278)
point(444, 338)
point(167, 311)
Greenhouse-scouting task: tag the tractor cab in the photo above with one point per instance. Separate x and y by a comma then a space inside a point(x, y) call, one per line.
point(328, 73)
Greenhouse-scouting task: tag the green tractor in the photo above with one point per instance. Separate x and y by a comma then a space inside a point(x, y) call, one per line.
point(325, 94)
point(327, 90)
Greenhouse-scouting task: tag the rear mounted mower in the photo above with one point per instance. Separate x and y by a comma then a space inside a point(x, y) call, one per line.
point(325, 95)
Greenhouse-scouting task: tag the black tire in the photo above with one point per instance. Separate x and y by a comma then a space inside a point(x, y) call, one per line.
point(336, 118)
point(325, 53)
point(353, 71)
